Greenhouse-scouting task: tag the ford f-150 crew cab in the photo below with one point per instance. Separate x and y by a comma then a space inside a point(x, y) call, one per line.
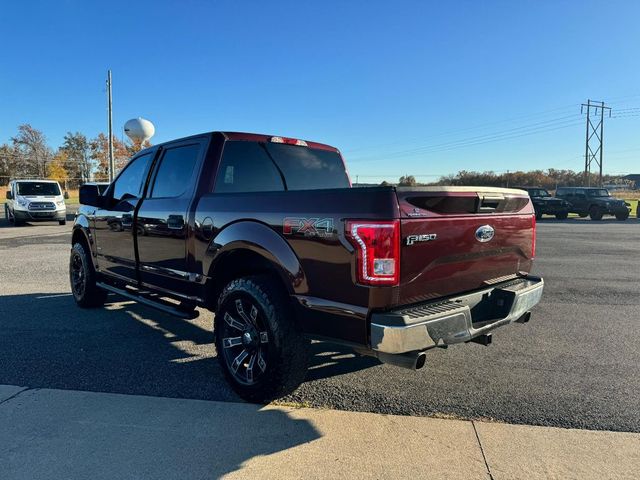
point(268, 233)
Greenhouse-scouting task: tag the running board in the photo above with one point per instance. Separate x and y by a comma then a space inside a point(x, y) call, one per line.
point(158, 304)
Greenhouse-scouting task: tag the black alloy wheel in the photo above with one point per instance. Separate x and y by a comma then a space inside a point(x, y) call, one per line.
point(245, 340)
point(262, 353)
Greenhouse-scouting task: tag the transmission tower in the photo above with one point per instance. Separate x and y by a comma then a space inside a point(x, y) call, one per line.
point(595, 137)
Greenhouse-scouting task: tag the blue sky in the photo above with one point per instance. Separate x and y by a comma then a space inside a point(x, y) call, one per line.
point(424, 87)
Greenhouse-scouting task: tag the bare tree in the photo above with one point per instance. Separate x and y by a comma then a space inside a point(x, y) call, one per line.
point(407, 181)
point(33, 153)
point(79, 160)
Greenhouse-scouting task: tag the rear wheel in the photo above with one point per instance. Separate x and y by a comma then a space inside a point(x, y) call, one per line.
point(62, 222)
point(83, 279)
point(622, 216)
point(562, 215)
point(596, 213)
point(261, 352)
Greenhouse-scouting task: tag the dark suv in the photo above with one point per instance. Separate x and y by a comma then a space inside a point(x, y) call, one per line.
point(545, 204)
point(593, 201)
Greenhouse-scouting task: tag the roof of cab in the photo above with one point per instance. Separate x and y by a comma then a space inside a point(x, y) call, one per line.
point(249, 137)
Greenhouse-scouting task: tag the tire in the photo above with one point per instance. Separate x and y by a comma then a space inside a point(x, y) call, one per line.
point(538, 215)
point(17, 222)
point(82, 277)
point(62, 222)
point(262, 353)
point(6, 213)
point(595, 213)
point(562, 215)
point(622, 216)
point(583, 215)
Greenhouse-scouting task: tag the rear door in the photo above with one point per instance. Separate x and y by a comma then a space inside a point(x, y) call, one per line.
point(162, 224)
point(460, 239)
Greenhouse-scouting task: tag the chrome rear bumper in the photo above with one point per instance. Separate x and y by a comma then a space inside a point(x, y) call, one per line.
point(456, 319)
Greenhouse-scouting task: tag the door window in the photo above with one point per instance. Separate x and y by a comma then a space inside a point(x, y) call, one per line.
point(175, 171)
point(130, 182)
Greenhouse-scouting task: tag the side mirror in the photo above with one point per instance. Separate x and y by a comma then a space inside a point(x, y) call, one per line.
point(90, 195)
point(66, 195)
point(9, 195)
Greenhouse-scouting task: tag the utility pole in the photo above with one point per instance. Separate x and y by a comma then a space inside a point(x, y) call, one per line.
point(111, 165)
point(594, 143)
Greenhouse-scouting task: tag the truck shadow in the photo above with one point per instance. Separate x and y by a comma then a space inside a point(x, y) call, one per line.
point(124, 347)
point(48, 342)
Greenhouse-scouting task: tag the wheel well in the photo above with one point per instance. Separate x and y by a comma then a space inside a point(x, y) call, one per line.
point(236, 264)
point(78, 236)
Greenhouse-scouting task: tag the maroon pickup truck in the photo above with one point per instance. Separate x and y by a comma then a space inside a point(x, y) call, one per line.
point(268, 233)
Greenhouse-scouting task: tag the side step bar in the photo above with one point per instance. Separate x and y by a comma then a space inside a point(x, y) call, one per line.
point(158, 304)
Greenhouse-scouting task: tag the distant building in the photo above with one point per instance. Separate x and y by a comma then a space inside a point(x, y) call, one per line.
point(634, 178)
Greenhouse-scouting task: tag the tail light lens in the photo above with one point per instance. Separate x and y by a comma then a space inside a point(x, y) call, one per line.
point(377, 247)
point(533, 239)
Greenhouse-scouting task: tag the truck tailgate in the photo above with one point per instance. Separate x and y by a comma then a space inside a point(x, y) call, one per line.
point(458, 239)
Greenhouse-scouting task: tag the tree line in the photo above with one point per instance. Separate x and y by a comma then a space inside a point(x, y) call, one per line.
point(549, 179)
point(78, 160)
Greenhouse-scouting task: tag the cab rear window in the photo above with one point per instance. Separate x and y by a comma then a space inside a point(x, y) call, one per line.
point(268, 167)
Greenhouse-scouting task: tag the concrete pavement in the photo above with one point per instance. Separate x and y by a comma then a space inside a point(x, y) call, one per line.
point(47, 433)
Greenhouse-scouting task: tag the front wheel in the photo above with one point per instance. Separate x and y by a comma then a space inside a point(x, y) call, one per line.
point(562, 215)
point(62, 222)
point(622, 216)
point(262, 353)
point(83, 279)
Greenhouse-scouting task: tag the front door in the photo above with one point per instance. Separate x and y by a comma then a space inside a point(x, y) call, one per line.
point(114, 223)
point(163, 217)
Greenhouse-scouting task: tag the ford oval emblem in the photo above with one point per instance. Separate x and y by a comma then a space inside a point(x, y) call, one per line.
point(485, 233)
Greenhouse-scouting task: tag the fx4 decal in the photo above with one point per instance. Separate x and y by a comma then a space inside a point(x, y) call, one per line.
point(309, 227)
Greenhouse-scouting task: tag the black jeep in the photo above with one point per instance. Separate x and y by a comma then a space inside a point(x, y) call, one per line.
point(545, 204)
point(593, 201)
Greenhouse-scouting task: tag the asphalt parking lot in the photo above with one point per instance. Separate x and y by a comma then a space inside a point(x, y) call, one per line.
point(576, 364)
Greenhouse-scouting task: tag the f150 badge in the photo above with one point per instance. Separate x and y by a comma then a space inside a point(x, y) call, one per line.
point(423, 237)
point(309, 227)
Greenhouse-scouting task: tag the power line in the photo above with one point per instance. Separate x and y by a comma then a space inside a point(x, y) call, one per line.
point(551, 125)
point(458, 131)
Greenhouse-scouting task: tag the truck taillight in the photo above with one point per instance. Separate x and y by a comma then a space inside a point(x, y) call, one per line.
point(377, 247)
point(533, 240)
point(289, 141)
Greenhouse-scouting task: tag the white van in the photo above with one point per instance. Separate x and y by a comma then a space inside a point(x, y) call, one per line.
point(35, 201)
